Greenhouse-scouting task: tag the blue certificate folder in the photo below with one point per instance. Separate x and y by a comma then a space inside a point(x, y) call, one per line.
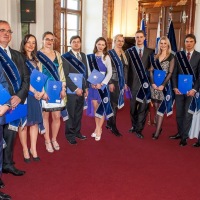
point(37, 80)
point(4, 95)
point(19, 112)
point(53, 90)
point(159, 77)
point(184, 83)
point(77, 80)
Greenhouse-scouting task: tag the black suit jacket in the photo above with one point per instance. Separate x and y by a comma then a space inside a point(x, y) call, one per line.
point(19, 61)
point(195, 64)
point(132, 78)
point(68, 68)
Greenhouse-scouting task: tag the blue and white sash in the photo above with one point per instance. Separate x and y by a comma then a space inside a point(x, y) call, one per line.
point(167, 103)
point(144, 91)
point(120, 73)
point(78, 65)
point(52, 69)
point(187, 69)
point(13, 75)
point(105, 105)
point(30, 66)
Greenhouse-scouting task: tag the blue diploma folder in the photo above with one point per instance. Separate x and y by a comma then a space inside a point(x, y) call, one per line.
point(19, 112)
point(77, 80)
point(53, 90)
point(4, 95)
point(184, 83)
point(159, 77)
point(37, 80)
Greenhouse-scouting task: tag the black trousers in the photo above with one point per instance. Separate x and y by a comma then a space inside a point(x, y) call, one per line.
point(138, 112)
point(183, 117)
point(9, 137)
point(75, 106)
point(114, 96)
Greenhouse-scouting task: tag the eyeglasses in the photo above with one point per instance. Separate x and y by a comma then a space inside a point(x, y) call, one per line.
point(6, 31)
point(49, 40)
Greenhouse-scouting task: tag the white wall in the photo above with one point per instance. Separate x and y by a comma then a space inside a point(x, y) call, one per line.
point(92, 23)
point(10, 11)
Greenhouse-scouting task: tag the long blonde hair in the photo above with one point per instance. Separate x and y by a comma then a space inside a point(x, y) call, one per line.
point(169, 46)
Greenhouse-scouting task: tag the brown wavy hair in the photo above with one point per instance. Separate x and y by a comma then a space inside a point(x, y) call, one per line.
point(105, 51)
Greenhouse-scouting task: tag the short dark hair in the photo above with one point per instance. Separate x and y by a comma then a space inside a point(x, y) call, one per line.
point(140, 31)
point(190, 35)
point(75, 37)
point(4, 22)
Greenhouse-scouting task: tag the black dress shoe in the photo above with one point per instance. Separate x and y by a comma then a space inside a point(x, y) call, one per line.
point(108, 127)
point(73, 142)
point(132, 130)
point(183, 142)
point(4, 196)
point(13, 170)
point(197, 144)
point(115, 131)
point(2, 185)
point(139, 135)
point(175, 137)
point(81, 137)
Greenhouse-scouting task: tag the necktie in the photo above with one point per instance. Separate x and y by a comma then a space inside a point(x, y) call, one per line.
point(78, 56)
point(5, 50)
point(140, 53)
point(188, 56)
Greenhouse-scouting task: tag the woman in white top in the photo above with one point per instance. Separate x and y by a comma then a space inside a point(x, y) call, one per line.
point(105, 67)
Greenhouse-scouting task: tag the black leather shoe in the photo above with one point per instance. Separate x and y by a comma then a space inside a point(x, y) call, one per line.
point(197, 144)
point(4, 196)
point(175, 137)
point(73, 142)
point(139, 135)
point(108, 127)
point(183, 142)
point(132, 130)
point(14, 171)
point(81, 137)
point(115, 132)
point(2, 185)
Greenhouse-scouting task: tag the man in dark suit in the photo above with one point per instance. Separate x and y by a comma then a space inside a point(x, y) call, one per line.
point(18, 96)
point(3, 109)
point(75, 102)
point(183, 101)
point(139, 109)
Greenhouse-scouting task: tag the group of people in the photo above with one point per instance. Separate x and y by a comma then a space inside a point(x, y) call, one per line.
point(130, 72)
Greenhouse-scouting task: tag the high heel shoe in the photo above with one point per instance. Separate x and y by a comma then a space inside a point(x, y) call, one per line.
point(36, 159)
point(56, 145)
point(49, 147)
point(94, 135)
point(27, 160)
point(154, 136)
point(98, 137)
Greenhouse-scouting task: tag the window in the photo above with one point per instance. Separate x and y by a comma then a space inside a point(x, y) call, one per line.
point(70, 18)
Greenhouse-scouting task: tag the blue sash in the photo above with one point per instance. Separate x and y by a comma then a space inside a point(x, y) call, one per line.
point(144, 91)
point(13, 75)
point(30, 66)
point(54, 72)
point(105, 105)
point(167, 103)
point(187, 69)
point(120, 73)
point(78, 65)
point(49, 65)
point(11, 70)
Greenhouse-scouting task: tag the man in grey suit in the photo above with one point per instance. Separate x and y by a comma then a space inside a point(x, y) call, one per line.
point(75, 62)
point(139, 109)
point(183, 101)
point(18, 91)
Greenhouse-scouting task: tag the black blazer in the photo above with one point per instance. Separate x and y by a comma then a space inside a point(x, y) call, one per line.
point(132, 78)
point(195, 64)
point(68, 68)
point(19, 61)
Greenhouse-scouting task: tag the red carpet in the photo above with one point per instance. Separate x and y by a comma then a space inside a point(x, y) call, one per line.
point(124, 168)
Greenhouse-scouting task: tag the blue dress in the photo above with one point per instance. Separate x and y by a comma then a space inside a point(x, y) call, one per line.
point(93, 94)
